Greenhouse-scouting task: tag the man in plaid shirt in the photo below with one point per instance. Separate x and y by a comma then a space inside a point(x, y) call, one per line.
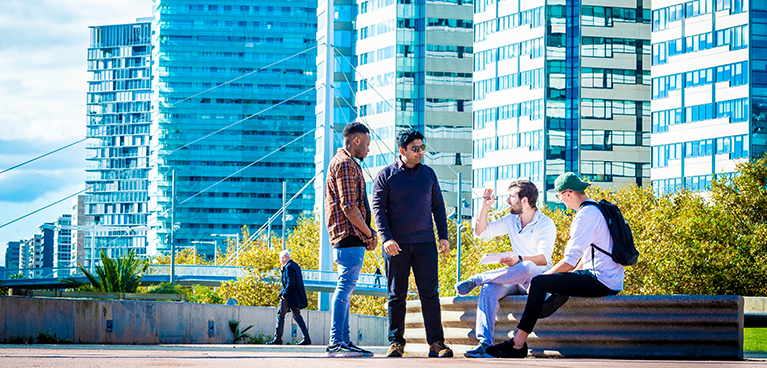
point(348, 222)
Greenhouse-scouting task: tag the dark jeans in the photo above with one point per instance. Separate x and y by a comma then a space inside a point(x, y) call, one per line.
point(578, 283)
point(281, 312)
point(422, 258)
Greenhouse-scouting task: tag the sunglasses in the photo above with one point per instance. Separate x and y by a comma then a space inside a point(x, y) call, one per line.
point(559, 195)
point(417, 149)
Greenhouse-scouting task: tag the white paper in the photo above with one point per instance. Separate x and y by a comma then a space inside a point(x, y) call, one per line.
point(491, 258)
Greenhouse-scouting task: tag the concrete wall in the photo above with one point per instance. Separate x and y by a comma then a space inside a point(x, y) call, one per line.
point(152, 322)
point(623, 326)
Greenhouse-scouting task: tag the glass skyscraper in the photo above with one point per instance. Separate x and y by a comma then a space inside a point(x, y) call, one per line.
point(407, 64)
point(229, 89)
point(118, 118)
point(560, 85)
point(709, 104)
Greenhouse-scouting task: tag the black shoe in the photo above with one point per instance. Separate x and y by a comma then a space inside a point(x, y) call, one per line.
point(552, 303)
point(305, 341)
point(506, 350)
point(275, 342)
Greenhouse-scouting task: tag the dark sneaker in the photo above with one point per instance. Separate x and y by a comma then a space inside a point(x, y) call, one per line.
point(506, 350)
point(551, 304)
point(440, 350)
point(478, 352)
point(305, 341)
point(396, 349)
point(341, 351)
point(365, 353)
point(465, 287)
point(275, 342)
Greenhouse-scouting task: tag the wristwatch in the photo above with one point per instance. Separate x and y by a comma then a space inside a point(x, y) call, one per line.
point(520, 259)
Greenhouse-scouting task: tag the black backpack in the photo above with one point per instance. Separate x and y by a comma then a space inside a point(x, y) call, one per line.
point(624, 251)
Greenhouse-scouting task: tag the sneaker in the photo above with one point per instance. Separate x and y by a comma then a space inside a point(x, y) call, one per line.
point(305, 341)
point(551, 304)
point(478, 352)
point(396, 349)
point(440, 350)
point(341, 351)
point(506, 350)
point(466, 286)
point(365, 353)
point(275, 342)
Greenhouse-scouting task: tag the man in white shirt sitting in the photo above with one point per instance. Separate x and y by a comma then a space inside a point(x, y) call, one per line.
point(596, 274)
point(531, 234)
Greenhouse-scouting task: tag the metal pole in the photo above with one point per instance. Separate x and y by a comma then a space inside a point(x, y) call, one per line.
point(172, 227)
point(269, 235)
point(93, 246)
point(215, 252)
point(458, 235)
point(284, 194)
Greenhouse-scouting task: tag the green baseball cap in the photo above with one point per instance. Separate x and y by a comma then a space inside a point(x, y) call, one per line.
point(569, 181)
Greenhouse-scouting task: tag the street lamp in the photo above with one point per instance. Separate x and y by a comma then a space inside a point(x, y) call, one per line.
point(236, 236)
point(215, 250)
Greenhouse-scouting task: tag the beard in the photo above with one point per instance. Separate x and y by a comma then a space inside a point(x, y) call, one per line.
point(515, 211)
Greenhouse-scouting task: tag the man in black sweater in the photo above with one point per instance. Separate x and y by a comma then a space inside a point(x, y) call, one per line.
point(292, 297)
point(405, 196)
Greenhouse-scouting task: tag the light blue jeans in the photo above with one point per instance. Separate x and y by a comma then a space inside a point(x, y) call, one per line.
point(349, 261)
point(495, 284)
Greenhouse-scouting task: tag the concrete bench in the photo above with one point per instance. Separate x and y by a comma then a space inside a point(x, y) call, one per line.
point(623, 326)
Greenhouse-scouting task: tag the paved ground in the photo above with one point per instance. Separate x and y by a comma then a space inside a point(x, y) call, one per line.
point(234, 356)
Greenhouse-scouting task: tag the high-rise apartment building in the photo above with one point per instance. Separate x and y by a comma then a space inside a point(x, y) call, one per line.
point(62, 241)
point(79, 218)
point(561, 85)
point(412, 65)
point(231, 83)
point(12, 256)
point(709, 91)
point(119, 115)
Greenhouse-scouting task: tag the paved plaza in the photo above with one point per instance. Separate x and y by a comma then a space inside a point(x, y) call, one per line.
point(260, 356)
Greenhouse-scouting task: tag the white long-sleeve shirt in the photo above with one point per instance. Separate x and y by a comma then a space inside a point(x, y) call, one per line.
point(589, 227)
point(536, 238)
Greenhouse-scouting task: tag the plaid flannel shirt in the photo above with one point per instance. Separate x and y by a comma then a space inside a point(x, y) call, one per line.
point(344, 189)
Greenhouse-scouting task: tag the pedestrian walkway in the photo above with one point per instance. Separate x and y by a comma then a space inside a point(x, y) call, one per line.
point(235, 356)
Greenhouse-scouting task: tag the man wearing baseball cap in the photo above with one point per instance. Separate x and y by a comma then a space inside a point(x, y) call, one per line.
point(595, 275)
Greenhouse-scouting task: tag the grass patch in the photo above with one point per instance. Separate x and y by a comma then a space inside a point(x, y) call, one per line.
point(755, 339)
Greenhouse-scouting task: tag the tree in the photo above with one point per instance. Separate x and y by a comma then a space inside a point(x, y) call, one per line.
point(122, 275)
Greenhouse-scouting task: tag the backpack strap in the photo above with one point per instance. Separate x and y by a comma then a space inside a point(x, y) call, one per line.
point(592, 203)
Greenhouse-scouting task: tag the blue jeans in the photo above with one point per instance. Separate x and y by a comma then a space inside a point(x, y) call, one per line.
point(495, 284)
point(349, 261)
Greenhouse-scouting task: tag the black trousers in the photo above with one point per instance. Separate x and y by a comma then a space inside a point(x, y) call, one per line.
point(281, 312)
point(422, 258)
point(578, 283)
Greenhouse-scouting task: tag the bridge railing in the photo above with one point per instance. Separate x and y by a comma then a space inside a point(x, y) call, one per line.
point(41, 273)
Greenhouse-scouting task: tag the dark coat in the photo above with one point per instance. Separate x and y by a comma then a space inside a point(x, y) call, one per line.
point(293, 286)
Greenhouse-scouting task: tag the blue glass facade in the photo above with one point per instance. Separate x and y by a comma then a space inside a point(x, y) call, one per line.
point(561, 85)
point(709, 95)
point(230, 66)
point(118, 120)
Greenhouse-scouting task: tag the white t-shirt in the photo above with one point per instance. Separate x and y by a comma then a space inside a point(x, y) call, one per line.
point(589, 227)
point(537, 237)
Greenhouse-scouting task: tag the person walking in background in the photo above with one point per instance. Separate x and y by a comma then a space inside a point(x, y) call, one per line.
point(531, 235)
point(292, 298)
point(406, 194)
point(348, 222)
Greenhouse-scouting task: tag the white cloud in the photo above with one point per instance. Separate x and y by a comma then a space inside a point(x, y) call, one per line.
point(43, 74)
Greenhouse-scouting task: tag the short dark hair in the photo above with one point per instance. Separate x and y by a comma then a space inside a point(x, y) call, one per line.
point(405, 136)
point(353, 128)
point(526, 190)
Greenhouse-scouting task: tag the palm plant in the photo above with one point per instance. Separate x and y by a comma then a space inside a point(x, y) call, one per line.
point(121, 275)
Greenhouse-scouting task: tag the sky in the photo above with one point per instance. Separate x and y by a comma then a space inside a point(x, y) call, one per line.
point(43, 84)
